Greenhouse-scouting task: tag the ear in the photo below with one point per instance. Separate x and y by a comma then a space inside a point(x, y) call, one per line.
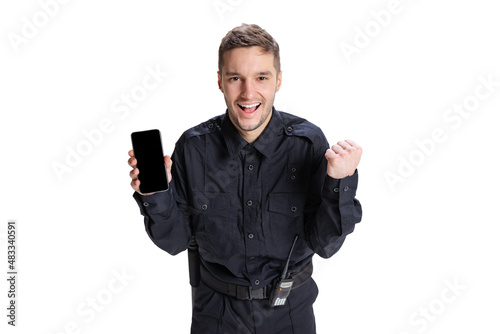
point(278, 81)
point(219, 81)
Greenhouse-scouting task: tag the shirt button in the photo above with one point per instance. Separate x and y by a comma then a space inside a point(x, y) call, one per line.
point(145, 204)
point(346, 188)
point(293, 208)
point(289, 129)
point(336, 190)
point(250, 236)
point(249, 203)
point(211, 125)
point(294, 169)
point(293, 177)
point(204, 206)
point(257, 282)
point(250, 167)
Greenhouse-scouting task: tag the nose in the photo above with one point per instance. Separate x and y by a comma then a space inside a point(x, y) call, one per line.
point(248, 90)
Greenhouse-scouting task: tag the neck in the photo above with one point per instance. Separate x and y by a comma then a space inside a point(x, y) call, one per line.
point(251, 136)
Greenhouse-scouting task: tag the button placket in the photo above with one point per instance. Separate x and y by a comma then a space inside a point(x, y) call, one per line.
point(251, 203)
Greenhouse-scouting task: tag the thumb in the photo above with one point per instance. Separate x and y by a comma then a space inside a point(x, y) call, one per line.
point(168, 164)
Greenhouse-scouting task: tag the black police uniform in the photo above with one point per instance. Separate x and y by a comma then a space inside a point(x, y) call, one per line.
point(244, 204)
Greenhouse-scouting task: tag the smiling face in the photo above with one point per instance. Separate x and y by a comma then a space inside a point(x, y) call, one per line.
point(249, 82)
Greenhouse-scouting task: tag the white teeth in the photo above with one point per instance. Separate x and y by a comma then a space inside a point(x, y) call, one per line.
point(249, 106)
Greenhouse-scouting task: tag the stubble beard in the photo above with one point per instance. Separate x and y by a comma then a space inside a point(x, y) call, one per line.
point(234, 117)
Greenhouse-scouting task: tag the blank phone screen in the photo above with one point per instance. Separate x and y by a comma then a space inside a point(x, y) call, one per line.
point(149, 154)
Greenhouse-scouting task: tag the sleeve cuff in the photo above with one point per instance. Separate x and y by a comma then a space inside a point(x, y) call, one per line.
point(333, 188)
point(154, 203)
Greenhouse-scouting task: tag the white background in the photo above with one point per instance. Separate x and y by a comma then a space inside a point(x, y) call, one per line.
point(435, 228)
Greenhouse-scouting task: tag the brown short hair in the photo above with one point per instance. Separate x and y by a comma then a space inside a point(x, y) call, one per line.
point(248, 35)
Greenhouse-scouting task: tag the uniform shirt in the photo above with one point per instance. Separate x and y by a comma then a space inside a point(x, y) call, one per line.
point(245, 203)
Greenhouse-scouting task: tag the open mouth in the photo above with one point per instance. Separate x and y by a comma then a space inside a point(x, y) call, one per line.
point(249, 108)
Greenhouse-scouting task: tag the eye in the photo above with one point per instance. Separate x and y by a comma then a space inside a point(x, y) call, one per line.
point(262, 78)
point(234, 79)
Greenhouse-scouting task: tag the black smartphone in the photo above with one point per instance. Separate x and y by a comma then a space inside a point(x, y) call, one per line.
point(149, 154)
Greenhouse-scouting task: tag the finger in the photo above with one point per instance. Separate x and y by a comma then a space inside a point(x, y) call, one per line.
point(133, 173)
point(135, 185)
point(344, 144)
point(337, 148)
point(330, 154)
point(352, 142)
point(131, 153)
point(168, 164)
point(132, 162)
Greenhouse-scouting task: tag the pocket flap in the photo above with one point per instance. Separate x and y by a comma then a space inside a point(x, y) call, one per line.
point(287, 203)
point(207, 201)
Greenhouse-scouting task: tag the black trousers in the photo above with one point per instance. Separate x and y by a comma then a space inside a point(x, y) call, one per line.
point(216, 313)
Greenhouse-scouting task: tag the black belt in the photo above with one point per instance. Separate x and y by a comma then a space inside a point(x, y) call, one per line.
point(247, 292)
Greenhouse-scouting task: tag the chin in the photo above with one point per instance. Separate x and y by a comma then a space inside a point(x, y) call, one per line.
point(249, 127)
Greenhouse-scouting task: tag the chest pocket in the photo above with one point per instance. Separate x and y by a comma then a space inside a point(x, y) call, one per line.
point(288, 204)
point(216, 226)
point(286, 218)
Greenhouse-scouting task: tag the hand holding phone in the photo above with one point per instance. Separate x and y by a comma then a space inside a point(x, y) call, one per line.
point(150, 166)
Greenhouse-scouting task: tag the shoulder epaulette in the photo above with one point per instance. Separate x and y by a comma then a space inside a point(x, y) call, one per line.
point(297, 126)
point(212, 125)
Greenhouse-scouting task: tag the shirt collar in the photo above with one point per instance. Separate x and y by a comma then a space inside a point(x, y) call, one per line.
point(265, 143)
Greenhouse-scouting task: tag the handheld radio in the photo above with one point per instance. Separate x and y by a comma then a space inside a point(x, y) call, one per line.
point(283, 286)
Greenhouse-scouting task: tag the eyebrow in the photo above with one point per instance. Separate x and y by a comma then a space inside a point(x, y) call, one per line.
point(237, 74)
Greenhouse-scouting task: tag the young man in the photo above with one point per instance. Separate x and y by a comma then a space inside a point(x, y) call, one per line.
point(247, 185)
